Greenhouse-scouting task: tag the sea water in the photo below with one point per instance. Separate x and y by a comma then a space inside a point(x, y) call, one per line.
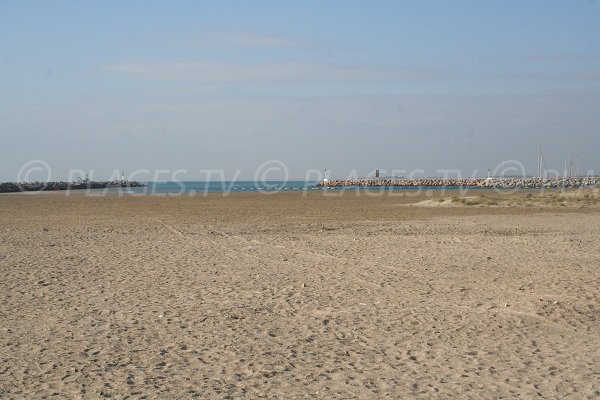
point(224, 186)
point(204, 187)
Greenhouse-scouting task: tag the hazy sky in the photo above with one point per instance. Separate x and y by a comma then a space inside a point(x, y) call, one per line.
point(342, 85)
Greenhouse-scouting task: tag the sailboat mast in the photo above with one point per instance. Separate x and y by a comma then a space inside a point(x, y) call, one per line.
point(539, 161)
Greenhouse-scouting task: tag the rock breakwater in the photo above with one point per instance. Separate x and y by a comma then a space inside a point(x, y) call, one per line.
point(500, 183)
point(12, 187)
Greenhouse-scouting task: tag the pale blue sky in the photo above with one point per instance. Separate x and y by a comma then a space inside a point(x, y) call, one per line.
point(342, 85)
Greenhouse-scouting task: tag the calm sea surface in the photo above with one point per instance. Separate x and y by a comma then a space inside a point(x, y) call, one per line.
point(191, 187)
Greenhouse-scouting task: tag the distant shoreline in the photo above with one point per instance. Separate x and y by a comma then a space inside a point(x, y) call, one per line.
point(202, 187)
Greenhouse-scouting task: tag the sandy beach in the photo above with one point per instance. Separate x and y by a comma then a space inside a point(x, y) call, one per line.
point(290, 296)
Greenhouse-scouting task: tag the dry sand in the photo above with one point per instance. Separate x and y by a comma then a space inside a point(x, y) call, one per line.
point(286, 296)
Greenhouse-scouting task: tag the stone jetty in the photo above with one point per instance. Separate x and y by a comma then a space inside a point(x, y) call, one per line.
point(499, 183)
point(12, 187)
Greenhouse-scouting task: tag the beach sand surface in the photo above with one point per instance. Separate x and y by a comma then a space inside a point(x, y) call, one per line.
point(296, 296)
